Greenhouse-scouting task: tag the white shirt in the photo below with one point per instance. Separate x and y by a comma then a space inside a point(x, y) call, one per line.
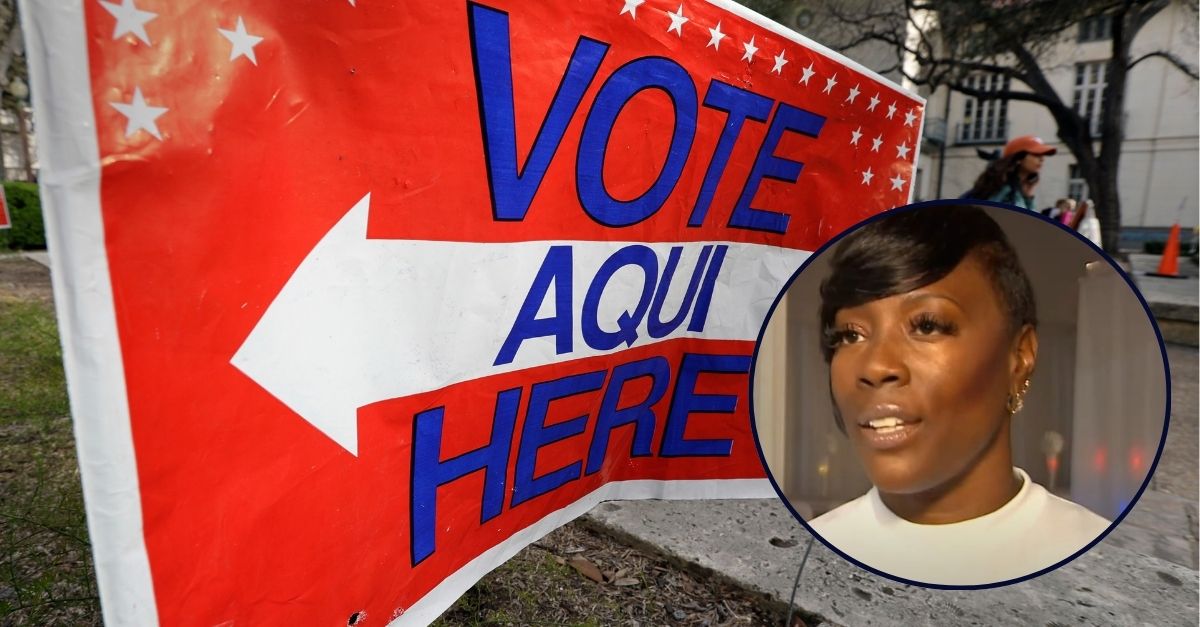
point(1032, 531)
point(1089, 227)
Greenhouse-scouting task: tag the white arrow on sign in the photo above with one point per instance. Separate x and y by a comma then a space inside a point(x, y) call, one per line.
point(365, 320)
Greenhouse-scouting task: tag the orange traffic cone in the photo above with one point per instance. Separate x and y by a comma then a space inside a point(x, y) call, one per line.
point(1169, 266)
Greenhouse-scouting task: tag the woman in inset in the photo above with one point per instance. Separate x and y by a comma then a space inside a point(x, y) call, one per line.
point(930, 332)
point(1012, 178)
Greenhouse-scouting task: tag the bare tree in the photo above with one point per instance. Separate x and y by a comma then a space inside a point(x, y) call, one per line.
point(943, 42)
point(11, 45)
point(14, 91)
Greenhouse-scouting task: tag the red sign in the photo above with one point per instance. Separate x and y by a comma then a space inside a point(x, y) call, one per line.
point(367, 296)
point(5, 218)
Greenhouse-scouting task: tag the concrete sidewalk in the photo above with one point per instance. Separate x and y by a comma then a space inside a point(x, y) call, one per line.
point(759, 546)
point(1181, 292)
point(39, 256)
point(1174, 302)
point(1143, 573)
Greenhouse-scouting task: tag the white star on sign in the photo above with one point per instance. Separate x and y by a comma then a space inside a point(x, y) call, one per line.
point(141, 115)
point(855, 136)
point(902, 151)
point(891, 110)
point(876, 143)
point(897, 183)
point(808, 73)
point(717, 36)
point(829, 83)
point(874, 103)
point(867, 175)
point(853, 94)
point(130, 19)
point(780, 61)
point(909, 118)
point(243, 42)
point(631, 8)
point(677, 21)
point(750, 49)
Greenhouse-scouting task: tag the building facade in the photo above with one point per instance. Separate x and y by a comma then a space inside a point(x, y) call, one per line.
point(1160, 157)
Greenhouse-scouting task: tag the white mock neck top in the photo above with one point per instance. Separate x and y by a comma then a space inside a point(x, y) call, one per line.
point(1035, 529)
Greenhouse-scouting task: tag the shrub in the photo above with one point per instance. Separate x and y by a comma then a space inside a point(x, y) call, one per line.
point(25, 211)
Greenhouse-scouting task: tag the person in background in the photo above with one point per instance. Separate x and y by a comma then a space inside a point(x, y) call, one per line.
point(1086, 222)
point(1012, 178)
point(1063, 210)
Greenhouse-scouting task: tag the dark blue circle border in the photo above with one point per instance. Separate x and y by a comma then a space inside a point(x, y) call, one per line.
point(979, 203)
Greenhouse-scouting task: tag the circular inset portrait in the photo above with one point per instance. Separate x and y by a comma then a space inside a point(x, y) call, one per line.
point(960, 395)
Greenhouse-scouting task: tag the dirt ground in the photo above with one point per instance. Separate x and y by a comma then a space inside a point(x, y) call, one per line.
point(578, 576)
point(574, 576)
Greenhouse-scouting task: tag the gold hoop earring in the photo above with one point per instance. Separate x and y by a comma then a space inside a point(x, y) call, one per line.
point(1016, 402)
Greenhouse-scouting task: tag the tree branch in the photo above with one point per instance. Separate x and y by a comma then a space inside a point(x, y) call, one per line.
point(1179, 64)
point(1035, 78)
point(1000, 95)
point(866, 37)
point(978, 66)
point(1142, 14)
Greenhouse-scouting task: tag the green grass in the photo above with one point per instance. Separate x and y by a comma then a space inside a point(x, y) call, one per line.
point(46, 573)
point(32, 387)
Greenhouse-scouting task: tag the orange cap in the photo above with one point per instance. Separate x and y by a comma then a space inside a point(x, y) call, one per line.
point(1031, 144)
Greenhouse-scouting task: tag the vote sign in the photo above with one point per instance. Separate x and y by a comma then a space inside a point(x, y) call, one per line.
point(5, 218)
point(360, 298)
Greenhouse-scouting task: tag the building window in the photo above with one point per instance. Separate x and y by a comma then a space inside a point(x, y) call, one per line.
point(986, 120)
point(1095, 28)
point(1076, 185)
point(1090, 79)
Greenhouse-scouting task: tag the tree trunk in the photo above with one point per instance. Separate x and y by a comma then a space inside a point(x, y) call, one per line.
point(1097, 170)
point(23, 134)
point(1112, 126)
point(1108, 209)
point(3, 167)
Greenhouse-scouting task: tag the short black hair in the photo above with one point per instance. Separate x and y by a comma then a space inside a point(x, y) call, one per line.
point(909, 249)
